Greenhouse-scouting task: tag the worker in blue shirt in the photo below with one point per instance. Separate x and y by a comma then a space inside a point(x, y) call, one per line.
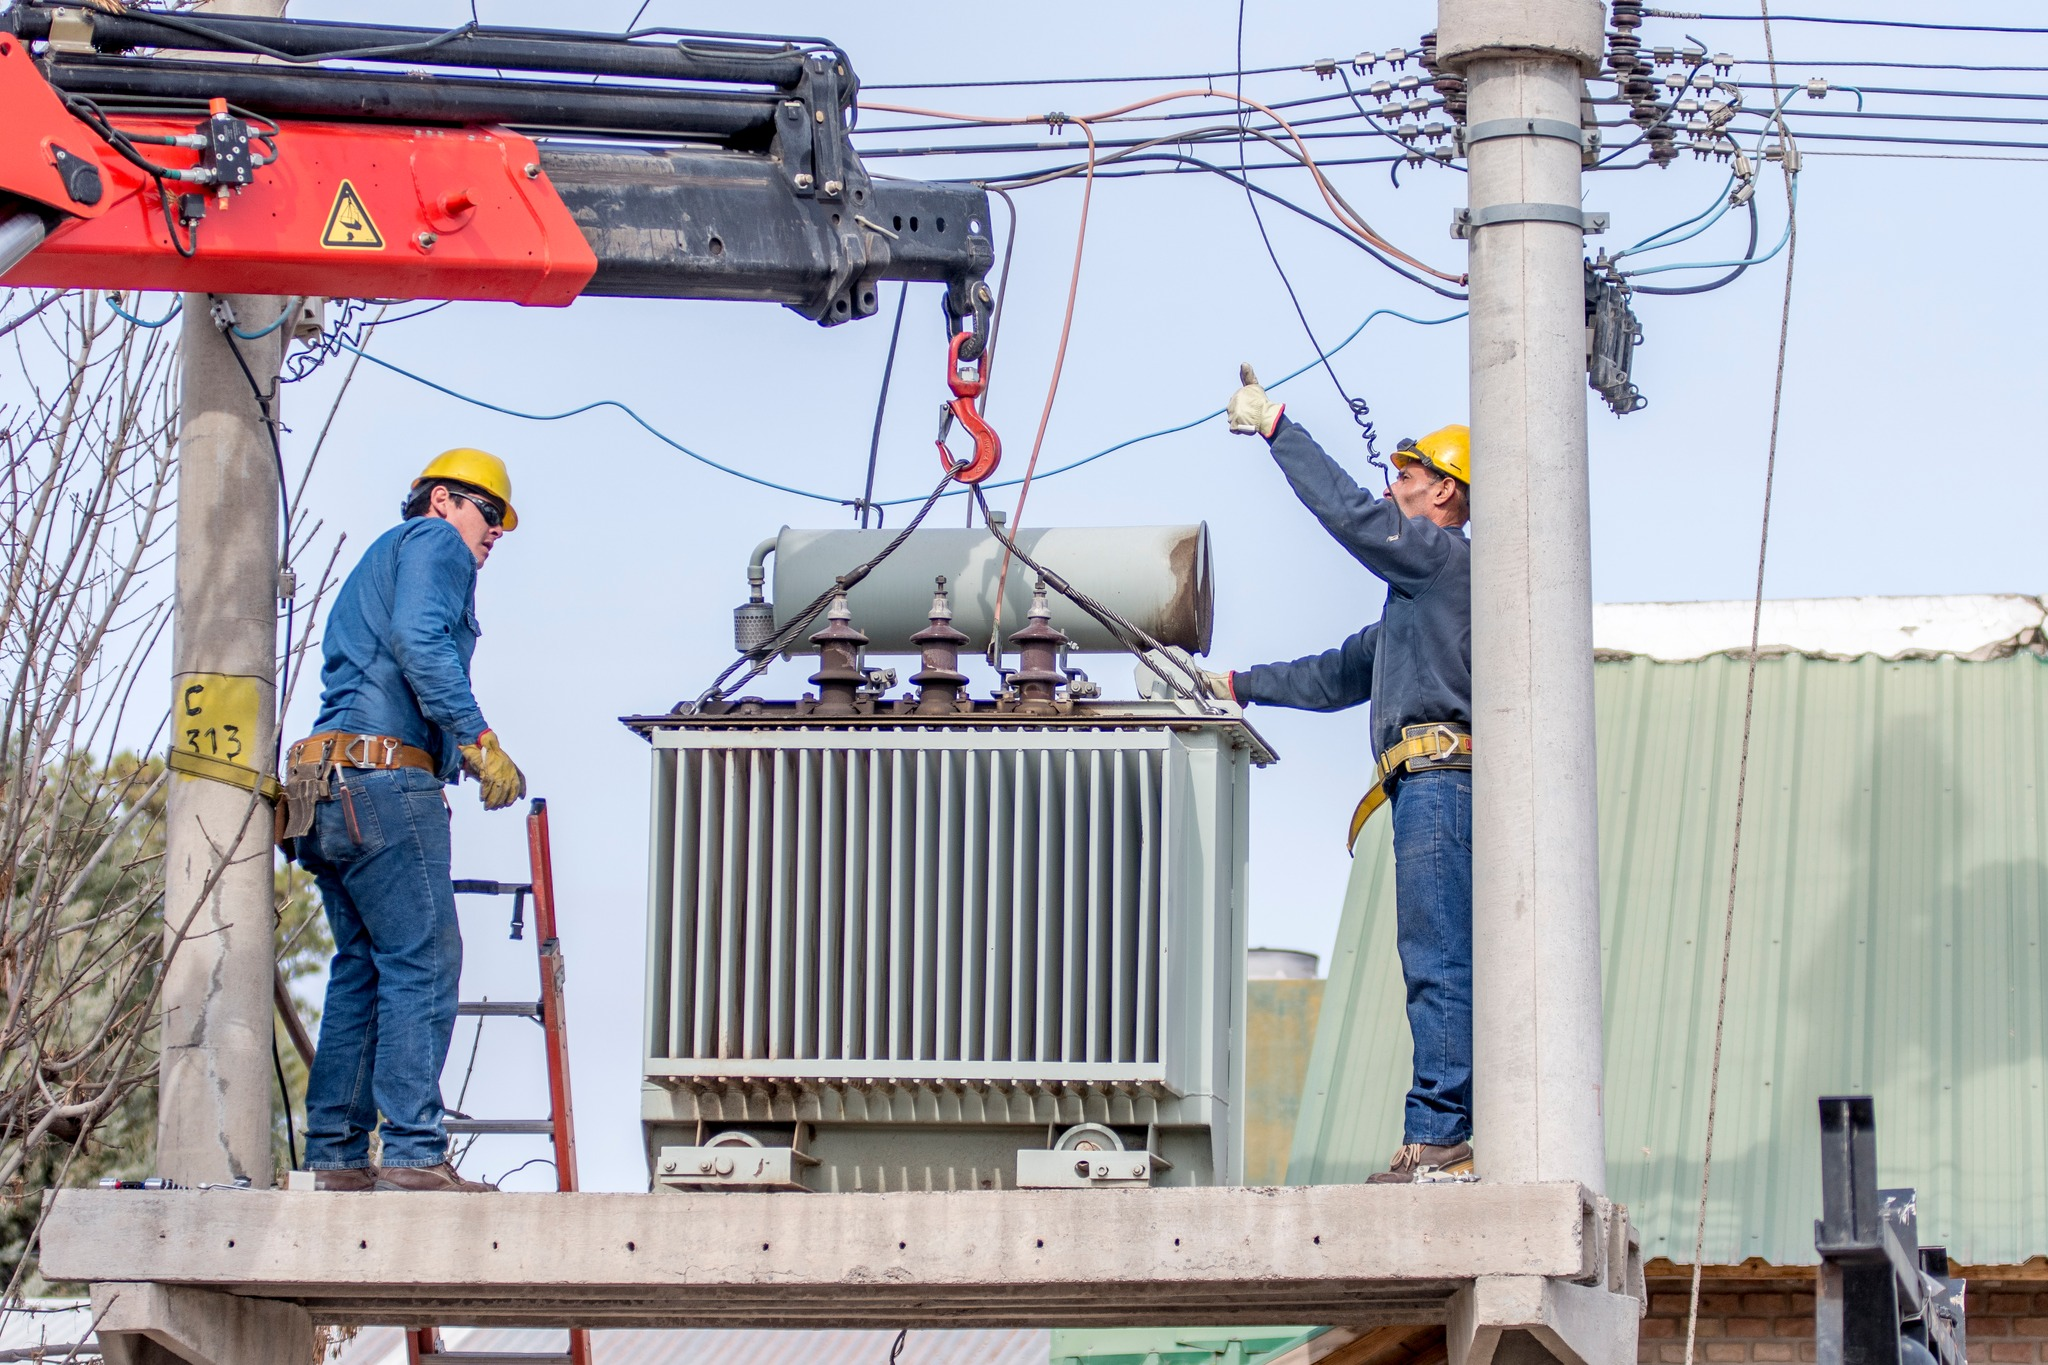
point(1415, 666)
point(368, 816)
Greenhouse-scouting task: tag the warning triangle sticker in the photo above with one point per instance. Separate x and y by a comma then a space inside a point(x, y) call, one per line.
point(348, 223)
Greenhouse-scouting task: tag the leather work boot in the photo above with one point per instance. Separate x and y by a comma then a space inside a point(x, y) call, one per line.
point(353, 1180)
point(1417, 1162)
point(441, 1177)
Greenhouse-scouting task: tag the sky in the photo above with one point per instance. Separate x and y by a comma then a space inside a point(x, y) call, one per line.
point(1908, 456)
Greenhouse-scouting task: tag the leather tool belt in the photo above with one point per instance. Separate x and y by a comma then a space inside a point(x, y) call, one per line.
point(311, 762)
point(1422, 748)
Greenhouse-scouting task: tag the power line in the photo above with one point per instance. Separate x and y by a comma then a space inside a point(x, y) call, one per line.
point(1078, 80)
point(1832, 19)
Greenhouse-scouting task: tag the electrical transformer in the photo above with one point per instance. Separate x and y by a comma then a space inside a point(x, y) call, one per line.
point(933, 941)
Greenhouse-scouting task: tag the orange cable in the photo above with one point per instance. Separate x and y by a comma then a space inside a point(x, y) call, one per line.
point(1059, 362)
point(1342, 211)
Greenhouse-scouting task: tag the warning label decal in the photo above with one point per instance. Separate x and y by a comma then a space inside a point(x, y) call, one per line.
point(348, 223)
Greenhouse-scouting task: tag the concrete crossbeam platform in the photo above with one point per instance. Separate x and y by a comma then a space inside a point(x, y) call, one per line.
point(1350, 1255)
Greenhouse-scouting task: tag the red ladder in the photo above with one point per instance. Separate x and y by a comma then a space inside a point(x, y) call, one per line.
point(424, 1343)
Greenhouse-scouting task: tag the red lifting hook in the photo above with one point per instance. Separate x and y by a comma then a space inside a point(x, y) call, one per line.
point(988, 447)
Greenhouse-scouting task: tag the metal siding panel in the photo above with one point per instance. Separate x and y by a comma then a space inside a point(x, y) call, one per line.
point(808, 992)
point(711, 827)
point(754, 983)
point(948, 947)
point(1024, 910)
point(659, 985)
point(1889, 939)
point(1050, 849)
point(858, 853)
point(1074, 978)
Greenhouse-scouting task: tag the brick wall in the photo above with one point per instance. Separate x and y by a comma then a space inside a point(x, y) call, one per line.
point(1770, 1322)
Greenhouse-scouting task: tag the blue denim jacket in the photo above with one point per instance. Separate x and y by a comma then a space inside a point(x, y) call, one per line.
point(1415, 663)
point(399, 642)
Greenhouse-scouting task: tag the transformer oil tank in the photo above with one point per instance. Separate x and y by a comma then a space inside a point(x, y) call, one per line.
point(919, 943)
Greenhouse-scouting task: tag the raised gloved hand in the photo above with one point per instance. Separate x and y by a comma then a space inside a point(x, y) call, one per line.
point(497, 775)
point(1249, 410)
point(1221, 686)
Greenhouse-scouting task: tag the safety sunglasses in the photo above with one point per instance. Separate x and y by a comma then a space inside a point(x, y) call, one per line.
point(493, 515)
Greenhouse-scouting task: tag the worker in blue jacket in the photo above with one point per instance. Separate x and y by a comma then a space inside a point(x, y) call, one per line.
point(1415, 666)
point(367, 815)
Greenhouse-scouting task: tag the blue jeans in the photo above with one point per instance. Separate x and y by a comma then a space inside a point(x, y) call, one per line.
point(381, 859)
point(1433, 914)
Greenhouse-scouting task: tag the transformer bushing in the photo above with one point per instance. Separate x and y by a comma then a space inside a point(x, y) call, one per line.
point(939, 679)
point(839, 677)
point(1039, 675)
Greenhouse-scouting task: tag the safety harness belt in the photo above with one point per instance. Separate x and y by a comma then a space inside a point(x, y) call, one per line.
point(1422, 747)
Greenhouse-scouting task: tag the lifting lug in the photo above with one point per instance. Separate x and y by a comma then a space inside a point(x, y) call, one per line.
point(967, 382)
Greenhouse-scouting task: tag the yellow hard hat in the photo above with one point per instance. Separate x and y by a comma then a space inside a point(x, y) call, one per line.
point(479, 469)
point(1448, 451)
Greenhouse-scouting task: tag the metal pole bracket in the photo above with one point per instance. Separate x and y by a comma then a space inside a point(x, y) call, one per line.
point(1464, 222)
point(1522, 127)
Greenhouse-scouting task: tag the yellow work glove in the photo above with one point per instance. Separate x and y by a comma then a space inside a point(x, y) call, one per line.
point(1221, 686)
point(1249, 409)
point(496, 774)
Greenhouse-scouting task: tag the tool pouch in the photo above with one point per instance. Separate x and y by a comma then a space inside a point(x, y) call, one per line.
point(305, 784)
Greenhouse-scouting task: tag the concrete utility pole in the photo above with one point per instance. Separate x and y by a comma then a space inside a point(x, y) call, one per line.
point(213, 1102)
point(1536, 893)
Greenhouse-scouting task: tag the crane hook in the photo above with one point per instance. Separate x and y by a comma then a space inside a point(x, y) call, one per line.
point(967, 382)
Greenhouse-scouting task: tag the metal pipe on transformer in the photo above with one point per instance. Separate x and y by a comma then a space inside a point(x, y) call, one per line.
point(1535, 903)
point(1156, 576)
point(213, 1098)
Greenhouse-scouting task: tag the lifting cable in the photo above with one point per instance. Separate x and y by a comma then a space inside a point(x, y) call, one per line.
point(1789, 162)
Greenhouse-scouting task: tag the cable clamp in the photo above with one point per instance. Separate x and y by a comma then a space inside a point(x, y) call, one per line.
point(1522, 127)
point(1464, 222)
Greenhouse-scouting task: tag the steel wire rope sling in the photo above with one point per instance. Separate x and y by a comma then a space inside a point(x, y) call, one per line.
point(1132, 636)
point(1789, 162)
point(760, 655)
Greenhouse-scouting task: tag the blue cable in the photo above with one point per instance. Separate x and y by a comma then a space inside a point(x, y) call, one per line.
point(642, 422)
point(674, 444)
point(258, 336)
point(1717, 208)
point(1725, 265)
point(1207, 416)
point(126, 316)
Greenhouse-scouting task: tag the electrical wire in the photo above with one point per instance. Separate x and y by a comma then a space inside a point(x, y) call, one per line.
point(1748, 708)
point(1148, 151)
point(1361, 412)
point(1075, 80)
point(1218, 412)
point(284, 1093)
point(631, 415)
point(1768, 20)
point(284, 501)
point(118, 311)
point(838, 501)
point(1351, 220)
point(1726, 280)
point(867, 497)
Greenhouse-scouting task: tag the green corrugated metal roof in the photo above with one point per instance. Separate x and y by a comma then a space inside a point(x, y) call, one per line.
point(1891, 921)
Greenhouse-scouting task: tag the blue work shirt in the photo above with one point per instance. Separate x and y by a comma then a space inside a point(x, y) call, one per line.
point(399, 641)
point(1415, 663)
